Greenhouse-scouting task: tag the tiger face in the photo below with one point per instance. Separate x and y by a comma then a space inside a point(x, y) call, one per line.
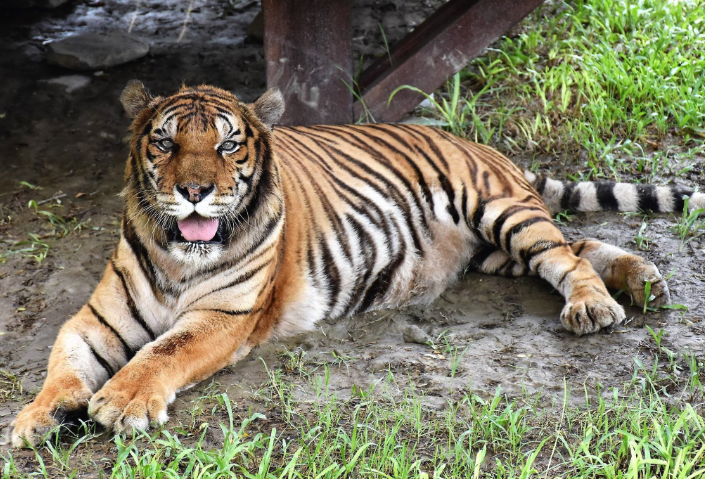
point(196, 160)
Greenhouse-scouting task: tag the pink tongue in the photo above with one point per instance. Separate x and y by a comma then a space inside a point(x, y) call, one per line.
point(198, 228)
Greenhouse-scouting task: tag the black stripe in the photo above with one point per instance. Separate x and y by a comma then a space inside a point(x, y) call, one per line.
point(486, 182)
point(134, 312)
point(540, 185)
point(580, 248)
point(445, 184)
point(519, 227)
point(426, 191)
point(382, 282)
point(129, 353)
point(504, 267)
point(604, 190)
point(541, 247)
point(190, 102)
point(147, 128)
point(391, 190)
point(464, 204)
point(570, 201)
point(329, 210)
point(140, 252)
point(332, 274)
point(506, 214)
point(240, 279)
point(103, 363)
point(229, 312)
point(400, 198)
point(421, 132)
point(479, 256)
point(648, 200)
point(370, 258)
point(378, 219)
point(478, 213)
point(567, 272)
point(678, 195)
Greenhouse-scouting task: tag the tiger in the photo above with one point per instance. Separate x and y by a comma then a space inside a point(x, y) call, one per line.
point(235, 232)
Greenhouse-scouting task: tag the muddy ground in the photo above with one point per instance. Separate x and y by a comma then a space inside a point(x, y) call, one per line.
point(72, 144)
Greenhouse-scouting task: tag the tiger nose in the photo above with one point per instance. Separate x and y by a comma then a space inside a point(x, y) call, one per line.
point(194, 192)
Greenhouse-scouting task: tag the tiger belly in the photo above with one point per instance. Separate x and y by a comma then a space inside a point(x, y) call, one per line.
point(418, 277)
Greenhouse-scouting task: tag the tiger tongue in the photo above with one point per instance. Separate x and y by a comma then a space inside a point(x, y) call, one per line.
point(198, 228)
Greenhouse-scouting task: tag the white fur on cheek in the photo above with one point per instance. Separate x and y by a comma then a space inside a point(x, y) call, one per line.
point(206, 206)
point(183, 207)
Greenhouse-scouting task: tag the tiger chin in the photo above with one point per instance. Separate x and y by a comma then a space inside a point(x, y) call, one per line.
point(234, 233)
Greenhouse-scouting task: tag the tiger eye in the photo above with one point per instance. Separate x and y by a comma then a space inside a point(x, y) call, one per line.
point(165, 144)
point(228, 146)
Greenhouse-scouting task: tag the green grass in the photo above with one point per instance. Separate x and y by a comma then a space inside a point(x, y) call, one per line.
point(648, 428)
point(617, 80)
point(37, 246)
point(690, 225)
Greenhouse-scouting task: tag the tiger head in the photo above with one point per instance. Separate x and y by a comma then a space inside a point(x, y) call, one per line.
point(197, 160)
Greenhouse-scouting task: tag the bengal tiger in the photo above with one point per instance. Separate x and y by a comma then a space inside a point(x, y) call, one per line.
point(234, 233)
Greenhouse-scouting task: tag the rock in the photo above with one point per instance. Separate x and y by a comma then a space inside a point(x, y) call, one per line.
point(69, 83)
point(421, 120)
point(256, 29)
point(91, 51)
point(34, 3)
point(414, 334)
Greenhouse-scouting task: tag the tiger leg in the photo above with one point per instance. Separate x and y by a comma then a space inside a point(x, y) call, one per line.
point(89, 349)
point(529, 237)
point(82, 359)
point(621, 270)
point(139, 393)
point(490, 260)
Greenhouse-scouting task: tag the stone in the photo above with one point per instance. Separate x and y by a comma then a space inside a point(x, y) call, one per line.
point(69, 83)
point(414, 334)
point(92, 51)
point(256, 29)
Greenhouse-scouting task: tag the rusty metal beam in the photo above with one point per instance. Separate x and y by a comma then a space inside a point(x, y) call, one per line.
point(439, 47)
point(308, 50)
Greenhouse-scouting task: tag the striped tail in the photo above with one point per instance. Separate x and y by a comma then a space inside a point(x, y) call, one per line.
point(611, 196)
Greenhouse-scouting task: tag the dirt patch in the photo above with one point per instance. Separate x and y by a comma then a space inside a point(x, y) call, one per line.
point(488, 332)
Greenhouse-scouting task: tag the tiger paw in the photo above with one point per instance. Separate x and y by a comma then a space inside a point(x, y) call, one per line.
point(591, 313)
point(125, 404)
point(637, 279)
point(50, 409)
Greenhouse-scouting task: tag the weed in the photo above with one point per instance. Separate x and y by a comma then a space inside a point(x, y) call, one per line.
point(689, 226)
point(29, 185)
point(564, 217)
point(455, 357)
point(657, 337)
point(642, 241)
point(452, 111)
point(10, 385)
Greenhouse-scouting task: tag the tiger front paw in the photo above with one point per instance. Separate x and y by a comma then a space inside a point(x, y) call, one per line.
point(591, 313)
point(125, 404)
point(51, 408)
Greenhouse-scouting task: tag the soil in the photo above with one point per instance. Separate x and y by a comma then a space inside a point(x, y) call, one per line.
point(74, 144)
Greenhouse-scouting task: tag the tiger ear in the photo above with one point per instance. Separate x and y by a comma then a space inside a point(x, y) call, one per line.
point(135, 98)
point(269, 107)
